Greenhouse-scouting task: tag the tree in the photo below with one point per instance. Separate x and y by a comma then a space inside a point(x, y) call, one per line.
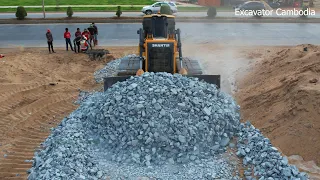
point(119, 12)
point(21, 13)
point(69, 12)
point(165, 9)
point(43, 10)
point(57, 4)
point(212, 12)
point(304, 8)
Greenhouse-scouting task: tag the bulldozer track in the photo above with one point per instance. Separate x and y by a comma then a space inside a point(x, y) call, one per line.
point(27, 113)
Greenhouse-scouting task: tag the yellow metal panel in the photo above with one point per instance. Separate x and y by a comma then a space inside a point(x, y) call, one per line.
point(160, 40)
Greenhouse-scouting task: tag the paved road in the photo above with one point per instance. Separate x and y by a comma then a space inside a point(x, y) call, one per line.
point(135, 14)
point(126, 34)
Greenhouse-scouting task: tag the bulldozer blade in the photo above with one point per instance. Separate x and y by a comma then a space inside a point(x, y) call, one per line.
point(211, 79)
point(97, 53)
point(109, 81)
point(192, 66)
point(129, 66)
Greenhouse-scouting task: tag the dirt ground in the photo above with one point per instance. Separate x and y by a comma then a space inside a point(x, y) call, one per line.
point(274, 87)
point(37, 90)
point(281, 97)
point(224, 60)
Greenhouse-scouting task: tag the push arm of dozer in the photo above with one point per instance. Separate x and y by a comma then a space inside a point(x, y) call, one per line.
point(141, 42)
point(183, 71)
point(141, 39)
point(179, 46)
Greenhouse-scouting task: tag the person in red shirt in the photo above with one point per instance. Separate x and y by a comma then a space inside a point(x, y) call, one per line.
point(86, 33)
point(67, 36)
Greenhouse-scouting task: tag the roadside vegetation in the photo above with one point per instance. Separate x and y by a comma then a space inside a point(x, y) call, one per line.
point(110, 9)
point(74, 2)
point(21, 13)
point(58, 3)
point(104, 9)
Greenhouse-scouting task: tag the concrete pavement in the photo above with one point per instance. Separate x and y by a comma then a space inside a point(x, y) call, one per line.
point(246, 34)
point(133, 14)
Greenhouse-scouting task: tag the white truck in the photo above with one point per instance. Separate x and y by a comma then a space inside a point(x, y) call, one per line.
point(155, 8)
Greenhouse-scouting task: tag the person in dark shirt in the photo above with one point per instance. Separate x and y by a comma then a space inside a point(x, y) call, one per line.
point(95, 33)
point(92, 33)
point(49, 40)
point(77, 40)
point(78, 33)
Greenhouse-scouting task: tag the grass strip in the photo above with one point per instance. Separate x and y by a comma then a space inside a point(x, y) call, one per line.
point(74, 2)
point(109, 9)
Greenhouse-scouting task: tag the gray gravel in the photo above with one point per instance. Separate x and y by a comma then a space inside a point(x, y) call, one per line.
point(66, 153)
point(84, 95)
point(162, 118)
point(264, 160)
point(158, 125)
point(210, 168)
point(154, 120)
point(111, 69)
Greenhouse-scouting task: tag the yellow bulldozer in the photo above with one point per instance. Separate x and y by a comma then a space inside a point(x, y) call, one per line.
point(160, 50)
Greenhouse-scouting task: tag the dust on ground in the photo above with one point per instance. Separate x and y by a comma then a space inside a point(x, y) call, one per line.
point(37, 90)
point(281, 97)
point(225, 60)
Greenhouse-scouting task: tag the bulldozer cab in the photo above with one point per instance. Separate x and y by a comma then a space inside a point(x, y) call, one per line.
point(159, 26)
point(158, 43)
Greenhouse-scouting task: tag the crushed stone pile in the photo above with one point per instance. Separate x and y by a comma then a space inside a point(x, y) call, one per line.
point(264, 160)
point(84, 95)
point(158, 125)
point(145, 121)
point(216, 167)
point(66, 153)
point(111, 69)
point(159, 118)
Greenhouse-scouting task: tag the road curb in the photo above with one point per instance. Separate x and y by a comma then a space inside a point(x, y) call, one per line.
point(178, 19)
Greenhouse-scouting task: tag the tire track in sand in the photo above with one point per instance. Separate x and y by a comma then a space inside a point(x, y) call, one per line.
point(36, 109)
point(29, 106)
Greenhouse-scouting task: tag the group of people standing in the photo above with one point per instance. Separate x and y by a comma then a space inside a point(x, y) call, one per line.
point(89, 36)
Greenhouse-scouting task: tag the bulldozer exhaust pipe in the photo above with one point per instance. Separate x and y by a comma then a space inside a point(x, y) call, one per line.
point(179, 46)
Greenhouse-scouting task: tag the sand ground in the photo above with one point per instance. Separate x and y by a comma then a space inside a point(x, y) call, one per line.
point(280, 95)
point(38, 89)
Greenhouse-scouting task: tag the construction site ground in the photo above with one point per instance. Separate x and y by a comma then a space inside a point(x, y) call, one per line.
point(276, 88)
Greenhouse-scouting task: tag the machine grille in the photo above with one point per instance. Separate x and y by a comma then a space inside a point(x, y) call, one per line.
point(160, 57)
